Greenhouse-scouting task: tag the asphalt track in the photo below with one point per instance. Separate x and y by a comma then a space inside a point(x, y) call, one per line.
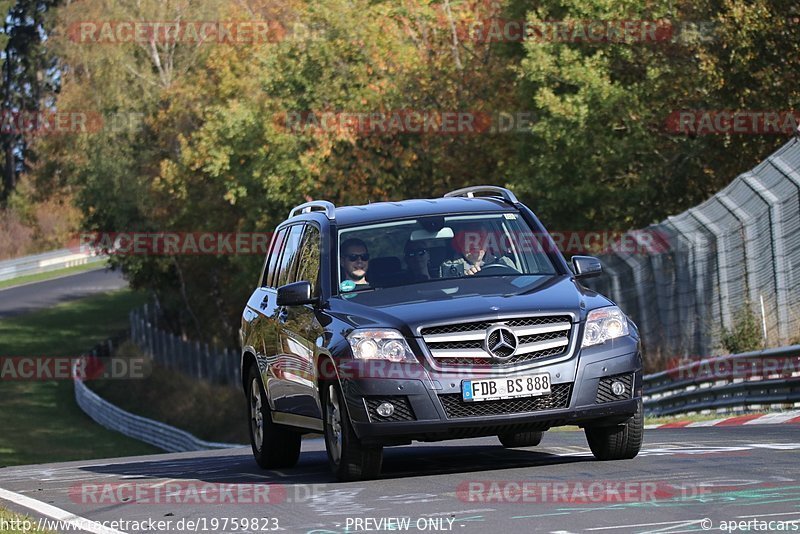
point(30, 297)
point(684, 480)
point(701, 477)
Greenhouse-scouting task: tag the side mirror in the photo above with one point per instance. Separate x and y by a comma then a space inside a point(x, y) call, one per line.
point(295, 294)
point(586, 266)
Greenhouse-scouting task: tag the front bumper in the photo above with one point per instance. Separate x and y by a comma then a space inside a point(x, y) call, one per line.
point(429, 406)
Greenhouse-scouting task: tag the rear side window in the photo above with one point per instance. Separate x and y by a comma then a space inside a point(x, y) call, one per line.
point(270, 276)
point(289, 256)
point(308, 260)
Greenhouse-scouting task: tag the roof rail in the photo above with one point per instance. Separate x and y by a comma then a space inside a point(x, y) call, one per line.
point(469, 192)
point(315, 205)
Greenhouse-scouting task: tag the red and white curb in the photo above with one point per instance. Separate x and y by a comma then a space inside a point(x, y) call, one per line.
point(758, 419)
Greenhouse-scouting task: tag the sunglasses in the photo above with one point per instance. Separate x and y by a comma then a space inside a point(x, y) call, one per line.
point(413, 253)
point(354, 257)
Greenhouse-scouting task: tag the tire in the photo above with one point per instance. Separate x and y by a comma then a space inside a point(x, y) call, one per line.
point(521, 439)
point(620, 442)
point(348, 457)
point(273, 445)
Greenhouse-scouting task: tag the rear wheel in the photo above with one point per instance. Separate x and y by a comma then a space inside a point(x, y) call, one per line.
point(619, 442)
point(273, 445)
point(521, 439)
point(348, 457)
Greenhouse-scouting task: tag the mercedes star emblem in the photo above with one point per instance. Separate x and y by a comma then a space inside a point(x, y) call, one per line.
point(501, 342)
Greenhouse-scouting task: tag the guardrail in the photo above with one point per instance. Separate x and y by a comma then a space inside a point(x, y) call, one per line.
point(760, 380)
point(48, 261)
point(155, 433)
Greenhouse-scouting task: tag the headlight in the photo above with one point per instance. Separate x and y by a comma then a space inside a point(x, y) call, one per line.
point(604, 324)
point(380, 344)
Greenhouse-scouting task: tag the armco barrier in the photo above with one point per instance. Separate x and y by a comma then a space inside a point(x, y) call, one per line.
point(158, 434)
point(48, 261)
point(759, 380)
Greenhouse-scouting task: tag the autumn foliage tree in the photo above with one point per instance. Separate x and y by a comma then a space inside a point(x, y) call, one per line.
point(214, 136)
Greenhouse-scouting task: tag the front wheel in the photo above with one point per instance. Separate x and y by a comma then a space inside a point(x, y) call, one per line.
point(273, 445)
point(348, 457)
point(620, 442)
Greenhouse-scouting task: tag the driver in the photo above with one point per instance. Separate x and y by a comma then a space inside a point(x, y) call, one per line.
point(473, 256)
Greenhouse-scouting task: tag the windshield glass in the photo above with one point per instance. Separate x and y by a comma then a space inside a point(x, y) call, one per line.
point(423, 249)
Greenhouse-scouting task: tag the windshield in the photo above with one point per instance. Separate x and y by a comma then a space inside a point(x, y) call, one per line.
point(424, 249)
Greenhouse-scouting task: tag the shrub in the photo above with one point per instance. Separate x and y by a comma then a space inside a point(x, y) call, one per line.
point(745, 334)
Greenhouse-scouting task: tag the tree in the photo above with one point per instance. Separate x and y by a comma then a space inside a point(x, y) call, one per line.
point(29, 80)
point(602, 155)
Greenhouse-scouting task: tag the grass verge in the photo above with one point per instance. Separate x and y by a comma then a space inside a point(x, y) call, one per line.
point(11, 519)
point(40, 420)
point(50, 275)
point(210, 412)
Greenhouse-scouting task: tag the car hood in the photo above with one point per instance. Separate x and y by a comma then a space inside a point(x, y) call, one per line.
point(408, 307)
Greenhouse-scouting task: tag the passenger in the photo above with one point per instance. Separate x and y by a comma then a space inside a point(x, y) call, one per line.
point(355, 261)
point(417, 259)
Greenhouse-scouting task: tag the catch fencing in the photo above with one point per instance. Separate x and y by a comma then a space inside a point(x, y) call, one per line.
point(199, 360)
point(738, 249)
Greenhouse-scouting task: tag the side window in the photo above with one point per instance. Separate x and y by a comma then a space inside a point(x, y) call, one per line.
point(308, 265)
point(274, 255)
point(287, 261)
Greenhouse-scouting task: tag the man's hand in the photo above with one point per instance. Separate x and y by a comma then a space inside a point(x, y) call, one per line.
point(475, 261)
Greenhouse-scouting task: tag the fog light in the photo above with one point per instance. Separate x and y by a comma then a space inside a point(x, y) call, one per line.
point(617, 388)
point(385, 409)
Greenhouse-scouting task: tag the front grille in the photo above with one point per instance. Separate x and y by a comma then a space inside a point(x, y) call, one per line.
point(483, 325)
point(402, 409)
point(604, 393)
point(465, 344)
point(456, 408)
point(489, 364)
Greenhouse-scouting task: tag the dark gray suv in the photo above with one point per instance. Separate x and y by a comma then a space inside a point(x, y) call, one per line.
point(428, 320)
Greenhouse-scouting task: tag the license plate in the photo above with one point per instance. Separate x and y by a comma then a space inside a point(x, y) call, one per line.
point(505, 388)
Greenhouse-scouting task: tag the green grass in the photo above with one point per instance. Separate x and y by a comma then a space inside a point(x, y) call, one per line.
point(41, 277)
point(9, 518)
point(40, 421)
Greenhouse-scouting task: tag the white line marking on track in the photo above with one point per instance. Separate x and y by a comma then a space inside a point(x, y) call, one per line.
point(677, 523)
point(58, 514)
point(767, 515)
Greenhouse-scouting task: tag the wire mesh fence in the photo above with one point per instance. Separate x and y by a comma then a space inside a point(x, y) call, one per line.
point(737, 251)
